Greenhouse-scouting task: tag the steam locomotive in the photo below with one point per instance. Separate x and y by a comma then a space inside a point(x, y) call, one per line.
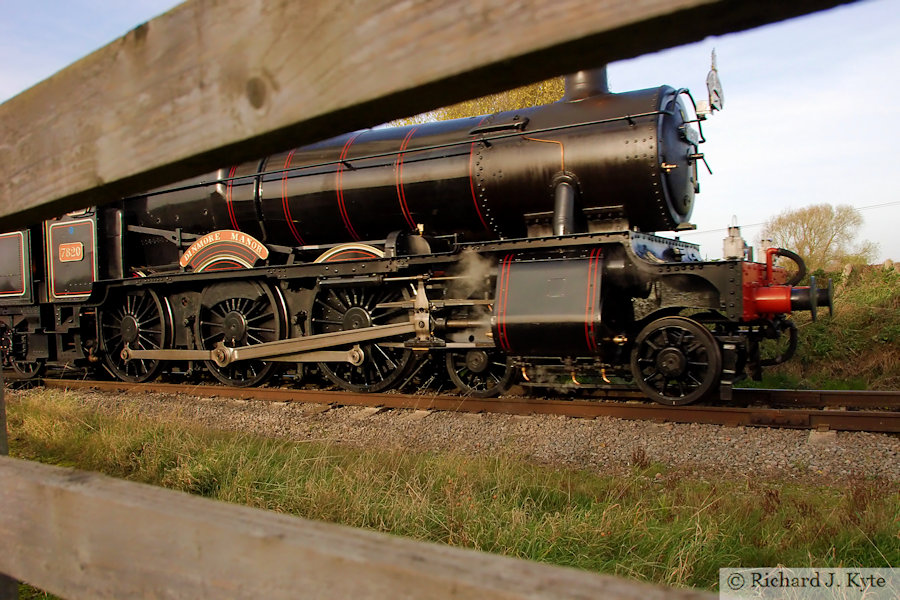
point(515, 247)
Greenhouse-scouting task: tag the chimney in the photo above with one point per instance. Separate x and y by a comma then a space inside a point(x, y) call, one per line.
point(584, 84)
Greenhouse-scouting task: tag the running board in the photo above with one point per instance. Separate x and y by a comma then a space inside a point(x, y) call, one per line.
point(291, 350)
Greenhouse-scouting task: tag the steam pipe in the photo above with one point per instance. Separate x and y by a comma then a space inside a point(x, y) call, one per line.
point(771, 253)
point(563, 208)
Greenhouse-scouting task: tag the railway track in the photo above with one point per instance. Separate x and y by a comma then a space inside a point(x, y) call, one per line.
point(807, 409)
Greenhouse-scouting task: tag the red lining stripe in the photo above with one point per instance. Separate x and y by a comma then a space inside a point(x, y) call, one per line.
point(506, 302)
point(472, 181)
point(594, 286)
point(398, 168)
point(340, 188)
point(351, 255)
point(593, 270)
point(284, 199)
point(21, 247)
point(501, 309)
point(228, 199)
point(88, 251)
point(503, 302)
point(226, 268)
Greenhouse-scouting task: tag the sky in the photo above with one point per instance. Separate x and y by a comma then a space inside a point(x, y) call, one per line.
point(810, 105)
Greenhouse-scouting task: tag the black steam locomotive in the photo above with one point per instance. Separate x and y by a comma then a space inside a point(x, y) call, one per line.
point(516, 246)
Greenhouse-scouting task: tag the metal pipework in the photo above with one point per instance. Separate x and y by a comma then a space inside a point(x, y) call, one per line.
point(771, 253)
point(467, 323)
point(563, 208)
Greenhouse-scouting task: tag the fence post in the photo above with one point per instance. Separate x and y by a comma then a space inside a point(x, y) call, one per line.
point(9, 588)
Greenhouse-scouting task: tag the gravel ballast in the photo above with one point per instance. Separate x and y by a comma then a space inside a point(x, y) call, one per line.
point(603, 445)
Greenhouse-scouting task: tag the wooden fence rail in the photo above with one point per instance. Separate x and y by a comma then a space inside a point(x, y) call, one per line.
point(84, 535)
point(214, 82)
point(8, 586)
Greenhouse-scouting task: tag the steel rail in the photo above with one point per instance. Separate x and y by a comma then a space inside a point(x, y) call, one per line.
point(818, 398)
point(887, 421)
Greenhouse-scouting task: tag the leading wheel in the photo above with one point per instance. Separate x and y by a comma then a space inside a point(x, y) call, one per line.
point(143, 321)
point(340, 309)
point(676, 361)
point(480, 373)
point(14, 344)
point(237, 314)
point(26, 369)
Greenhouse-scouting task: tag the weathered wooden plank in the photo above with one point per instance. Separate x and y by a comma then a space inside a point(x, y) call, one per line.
point(4, 442)
point(214, 82)
point(9, 588)
point(83, 535)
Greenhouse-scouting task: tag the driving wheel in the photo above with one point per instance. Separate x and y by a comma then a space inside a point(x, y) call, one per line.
point(141, 320)
point(381, 365)
point(239, 314)
point(676, 361)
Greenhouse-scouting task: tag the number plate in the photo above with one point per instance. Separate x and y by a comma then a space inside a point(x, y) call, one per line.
point(71, 252)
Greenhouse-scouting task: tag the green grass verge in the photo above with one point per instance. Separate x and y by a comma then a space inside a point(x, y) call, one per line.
point(651, 524)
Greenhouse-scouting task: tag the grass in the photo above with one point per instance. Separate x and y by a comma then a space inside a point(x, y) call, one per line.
point(857, 348)
point(650, 524)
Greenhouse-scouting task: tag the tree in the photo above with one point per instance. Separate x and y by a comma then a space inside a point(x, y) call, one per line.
point(822, 234)
point(542, 92)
